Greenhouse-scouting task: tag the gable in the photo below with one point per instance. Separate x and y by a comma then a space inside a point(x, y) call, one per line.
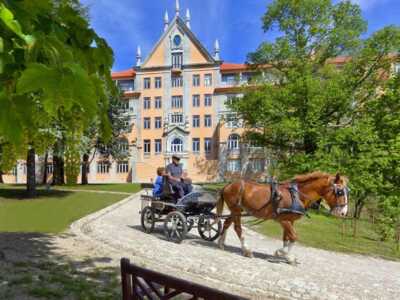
point(193, 50)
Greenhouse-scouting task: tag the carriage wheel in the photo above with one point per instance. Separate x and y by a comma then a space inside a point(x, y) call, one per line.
point(148, 219)
point(209, 228)
point(175, 226)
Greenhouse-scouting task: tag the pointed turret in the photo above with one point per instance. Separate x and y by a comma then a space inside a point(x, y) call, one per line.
point(177, 7)
point(216, 50)
point(187, 18)
point(138, 57)
point(166, 20)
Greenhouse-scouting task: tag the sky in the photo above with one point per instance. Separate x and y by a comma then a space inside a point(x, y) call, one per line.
point(126, 24)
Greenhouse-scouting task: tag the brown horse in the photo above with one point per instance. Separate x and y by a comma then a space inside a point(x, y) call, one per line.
point(292, 198)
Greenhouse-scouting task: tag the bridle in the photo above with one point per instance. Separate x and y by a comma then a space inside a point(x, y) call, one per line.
point(340, 192)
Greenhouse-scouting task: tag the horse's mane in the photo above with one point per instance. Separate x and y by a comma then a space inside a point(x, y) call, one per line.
point(304, 178)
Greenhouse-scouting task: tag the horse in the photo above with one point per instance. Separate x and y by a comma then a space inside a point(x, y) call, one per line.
point(292, 199)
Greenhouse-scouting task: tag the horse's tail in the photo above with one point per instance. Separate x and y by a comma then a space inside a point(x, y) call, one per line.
point(220, 203)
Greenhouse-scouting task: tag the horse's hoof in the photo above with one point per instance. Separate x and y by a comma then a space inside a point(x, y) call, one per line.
point(248, 254)
point(292, 260)
point(221, 246)
point(279, 253)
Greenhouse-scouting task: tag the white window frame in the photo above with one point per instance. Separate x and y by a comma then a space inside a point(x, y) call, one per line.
point(122, 167)
point(146, 103)
point(157, 122)
point(196, 121)
point(146, 147)
point(196, 100)
point(196, 145)
point(147, 83)
point(208, 100)
point(103, 167)
point(233, 165)
point(177, 147)
point(147, 123)
point(158, 82)
point(234, 142)
point(158, 102)
point(177, 118)
point(208, 79)
point(157, 146)
point(207, 145)
point(207, 121)
point(196, 80)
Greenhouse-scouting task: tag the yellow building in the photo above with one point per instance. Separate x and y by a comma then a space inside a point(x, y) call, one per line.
point(176, 99)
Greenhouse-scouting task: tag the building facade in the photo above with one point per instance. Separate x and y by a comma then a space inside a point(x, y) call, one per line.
point(176, 101)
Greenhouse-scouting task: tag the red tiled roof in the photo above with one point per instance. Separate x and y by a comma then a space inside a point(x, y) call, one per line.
point(123, 74)
point(233, 67)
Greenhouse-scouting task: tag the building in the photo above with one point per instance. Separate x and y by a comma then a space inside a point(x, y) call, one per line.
point(176, 100)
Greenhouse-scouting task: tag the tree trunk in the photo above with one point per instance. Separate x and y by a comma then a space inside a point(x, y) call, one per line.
point(358, 208)
point(46, 156)
point(1, 177)
point(85, 167)
point(58, 164)
point(31, 174)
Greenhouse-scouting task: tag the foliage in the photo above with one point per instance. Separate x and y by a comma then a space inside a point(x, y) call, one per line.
point(330, 98)
point(54, 73)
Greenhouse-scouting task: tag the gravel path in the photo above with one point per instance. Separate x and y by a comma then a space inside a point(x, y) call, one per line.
point(115, 232)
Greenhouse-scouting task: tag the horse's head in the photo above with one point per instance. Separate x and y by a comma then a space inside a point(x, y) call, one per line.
point(337, 195)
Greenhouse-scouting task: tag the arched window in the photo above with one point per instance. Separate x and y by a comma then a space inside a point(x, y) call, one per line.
point(123, 145)
point(233, 142)
point(177, 145)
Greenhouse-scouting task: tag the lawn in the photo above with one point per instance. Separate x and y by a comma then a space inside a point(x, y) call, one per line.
point(51, 212)
point(117, 187)
point(325, 232)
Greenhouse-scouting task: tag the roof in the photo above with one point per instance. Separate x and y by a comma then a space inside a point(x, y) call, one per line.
point(123, 74)
point(226, 67)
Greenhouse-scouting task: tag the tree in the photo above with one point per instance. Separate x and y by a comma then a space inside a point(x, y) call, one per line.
point(54, 70)
point(312, 114)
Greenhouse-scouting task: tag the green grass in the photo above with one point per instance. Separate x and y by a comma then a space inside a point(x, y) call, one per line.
point(51, 212)
point(330, 233)
point(325, 232)
point(123, 187)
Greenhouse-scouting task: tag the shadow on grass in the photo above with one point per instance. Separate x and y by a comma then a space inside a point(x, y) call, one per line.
point(31, 268)
point(20, 194)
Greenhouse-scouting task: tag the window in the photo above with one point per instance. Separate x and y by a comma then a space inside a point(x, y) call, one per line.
point(234, 165)
point(257, 165)
point(126, 85)
point(157, 146)
point(157, 83)
point(233, 142)
point(232, 120)
point(208, 80)
point(176, 118)
point(123, 146)
point(196, 121)
point(196, 80)
point(196, 101)
point(122, 167)
point(397, 68)
point(124, 106)
point(177, 81)
point(103, 167)
point(147, 83)
point(177, 101)
point(157, 102)
point(49, 168)
point(147, 103)
point(246, 77)
point(196, 145)
point(146, 147)
point(158, 123)
point(147, 123)
point(207, 121)
point(230, 99)
point(177, 145)
point(207, 145)
point(14, 170)
point(177, 60)
point(207, 100)
point(229, 79)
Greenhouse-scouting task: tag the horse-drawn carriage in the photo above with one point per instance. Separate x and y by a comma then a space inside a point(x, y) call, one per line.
point(180, 215)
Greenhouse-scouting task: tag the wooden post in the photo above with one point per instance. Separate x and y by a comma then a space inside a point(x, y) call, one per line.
point(126, 279)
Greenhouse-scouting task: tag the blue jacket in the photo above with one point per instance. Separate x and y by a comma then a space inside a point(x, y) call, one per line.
point(158, 186)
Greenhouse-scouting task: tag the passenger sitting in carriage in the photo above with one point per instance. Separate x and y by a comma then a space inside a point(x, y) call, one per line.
point(158, 184)
point(177, 178)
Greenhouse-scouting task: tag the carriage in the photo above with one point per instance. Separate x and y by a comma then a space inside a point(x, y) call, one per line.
point(180, 215)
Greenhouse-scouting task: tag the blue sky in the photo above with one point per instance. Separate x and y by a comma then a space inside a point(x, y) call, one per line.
point(125, 24)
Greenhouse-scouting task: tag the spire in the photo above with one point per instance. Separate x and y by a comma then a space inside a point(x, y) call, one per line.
point(188, 18)
point(166, 20)
point(177, 7)
point(138, 56)
point(216, 50)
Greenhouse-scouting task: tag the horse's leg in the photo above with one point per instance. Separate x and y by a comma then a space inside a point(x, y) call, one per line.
point(283, 251)
point(238, 228)
point(227, 224)
point(290, 238)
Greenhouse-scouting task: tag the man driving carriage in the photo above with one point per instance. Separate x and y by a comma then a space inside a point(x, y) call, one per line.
point(177, 178)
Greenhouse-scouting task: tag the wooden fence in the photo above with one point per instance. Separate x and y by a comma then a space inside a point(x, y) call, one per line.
point(141, 283)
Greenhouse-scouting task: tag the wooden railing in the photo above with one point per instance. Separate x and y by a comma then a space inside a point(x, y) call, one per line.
point(141, 283)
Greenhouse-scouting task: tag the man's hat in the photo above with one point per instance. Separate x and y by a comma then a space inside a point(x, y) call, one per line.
point(176, 157)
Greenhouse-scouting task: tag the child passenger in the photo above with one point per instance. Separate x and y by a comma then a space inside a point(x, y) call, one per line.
point(158, 184)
